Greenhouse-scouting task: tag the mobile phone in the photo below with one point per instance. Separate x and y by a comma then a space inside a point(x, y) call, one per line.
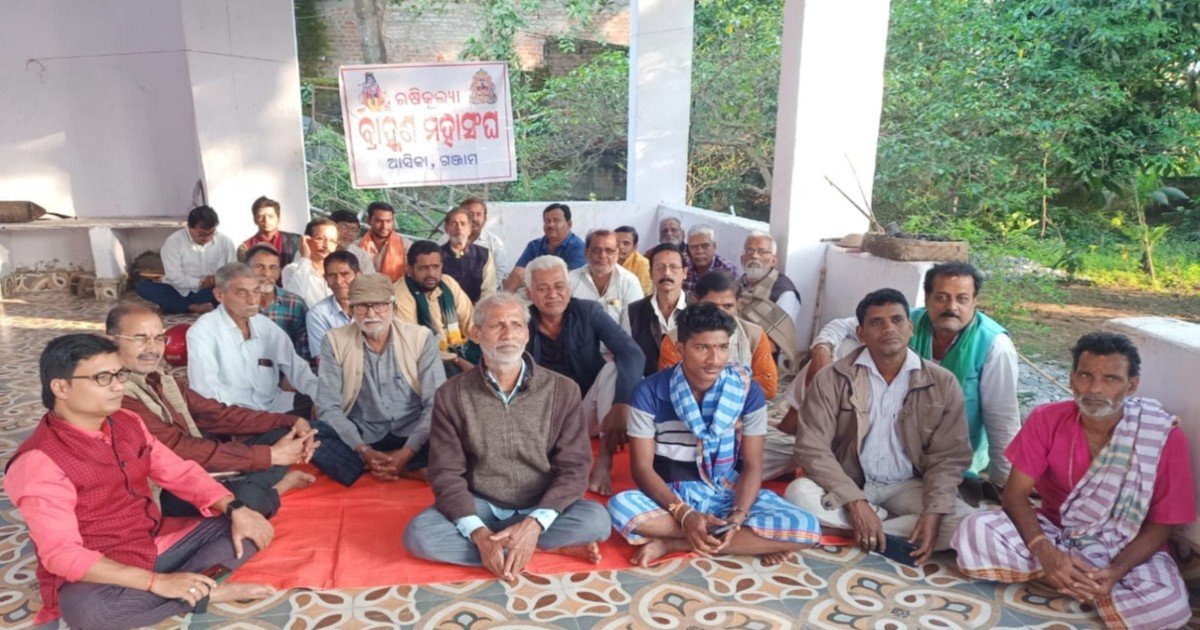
point(217, 572)
point(898, 549)
point(719, 530)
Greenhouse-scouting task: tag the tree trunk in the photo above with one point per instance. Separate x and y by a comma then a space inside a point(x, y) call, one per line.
point(369, 15)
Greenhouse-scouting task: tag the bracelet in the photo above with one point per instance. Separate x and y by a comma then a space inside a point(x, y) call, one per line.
point(683, 521)
point(683, 517)
point(150, 586)
point(1036, 539)
point(673, 509)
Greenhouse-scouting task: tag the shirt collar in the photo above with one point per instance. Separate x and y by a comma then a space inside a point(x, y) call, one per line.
point(912, 362)
point(522, 379)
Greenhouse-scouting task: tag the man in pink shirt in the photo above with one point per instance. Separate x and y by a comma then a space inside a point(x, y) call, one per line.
point(106, 556)
point(1115, 479)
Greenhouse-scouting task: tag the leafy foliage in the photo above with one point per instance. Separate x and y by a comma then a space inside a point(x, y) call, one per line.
point(311, 42)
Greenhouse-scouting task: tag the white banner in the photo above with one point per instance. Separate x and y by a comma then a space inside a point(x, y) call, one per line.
point(428, 124)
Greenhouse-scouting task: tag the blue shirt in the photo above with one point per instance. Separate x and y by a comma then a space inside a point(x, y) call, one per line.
point(323, 317)
point(570, 250)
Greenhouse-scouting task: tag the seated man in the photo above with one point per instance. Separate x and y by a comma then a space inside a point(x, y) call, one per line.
point(237, 356)
point(882, 439)
point(381, 241)
point(341, 268)
point(378, 376)
point(770, 300)
point(702, 257)
point(484, 237)
point(602, 279)
point(559, 241)
point(951, 332)
point(190, 257)
point(748, 347)
point(469, 264)
point(349, 233)
point(691, 428)
point(1115, 481)
point(81, 482)
point(670, 232)
point(565, 335)
point(277, 304)
point(428, 298)
point(649, 320)
point(266, 217)
point(509, 459)
point(263, 445)
point(631, 259)
point(306, 275)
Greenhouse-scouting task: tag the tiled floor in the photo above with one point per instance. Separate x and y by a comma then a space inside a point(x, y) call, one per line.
point(823, 588)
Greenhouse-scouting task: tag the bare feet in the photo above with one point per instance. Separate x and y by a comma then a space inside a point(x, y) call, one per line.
point(228, 592)
point(201, 308)
point(655, 549)
point(589, 552)
point(294, 480)
point(773, 559)
point(601, 480)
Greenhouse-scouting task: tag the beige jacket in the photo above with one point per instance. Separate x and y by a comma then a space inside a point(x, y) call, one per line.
point(408, 341)
point(932, 427)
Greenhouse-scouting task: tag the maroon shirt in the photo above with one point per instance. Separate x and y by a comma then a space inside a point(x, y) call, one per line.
point(212, 418)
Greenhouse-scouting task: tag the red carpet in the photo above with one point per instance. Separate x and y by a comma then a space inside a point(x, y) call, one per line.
point(328, 536)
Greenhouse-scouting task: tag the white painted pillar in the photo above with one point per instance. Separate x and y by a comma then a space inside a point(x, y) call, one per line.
point(241, 61)
point(660, 102)
point(830, 97)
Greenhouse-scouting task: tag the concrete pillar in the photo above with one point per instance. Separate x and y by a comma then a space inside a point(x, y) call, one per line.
point(241, 61)
point(660, 101)
point(1170, 352)
point(830, 96)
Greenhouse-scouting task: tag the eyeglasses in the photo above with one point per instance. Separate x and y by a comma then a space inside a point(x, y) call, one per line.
point(104, 379)
point(750, 251)
point(667, 268)
point(702, 246)
point(378, 307)
point(142, 340)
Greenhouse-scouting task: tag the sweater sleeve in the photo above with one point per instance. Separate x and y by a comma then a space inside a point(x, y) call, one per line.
point(570, 452)
point(214, 456)
point(447, 470)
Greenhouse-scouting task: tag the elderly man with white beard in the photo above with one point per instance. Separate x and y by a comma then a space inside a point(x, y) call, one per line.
point(509, 458)
point(377, 379)
point(769, 299)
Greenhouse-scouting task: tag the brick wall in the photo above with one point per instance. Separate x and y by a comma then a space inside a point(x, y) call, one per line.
point(440, 37)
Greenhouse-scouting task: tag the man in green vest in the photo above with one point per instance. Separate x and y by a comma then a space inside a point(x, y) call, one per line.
point(953, 333)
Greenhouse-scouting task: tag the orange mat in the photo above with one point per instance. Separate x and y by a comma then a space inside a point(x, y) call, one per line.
point(329, 536)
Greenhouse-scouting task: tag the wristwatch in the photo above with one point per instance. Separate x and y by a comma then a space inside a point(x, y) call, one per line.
point(233, 505)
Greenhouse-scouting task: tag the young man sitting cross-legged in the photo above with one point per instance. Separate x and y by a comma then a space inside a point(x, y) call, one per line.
point(691, 425)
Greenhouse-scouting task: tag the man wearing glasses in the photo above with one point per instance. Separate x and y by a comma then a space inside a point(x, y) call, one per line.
point(82, 484)
point(769, 299)
point(256, 447)
point(703, 257)
point(237, 356)
point(378, 377)
point(650, 319)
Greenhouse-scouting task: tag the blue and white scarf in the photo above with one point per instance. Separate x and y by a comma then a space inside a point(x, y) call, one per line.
point(713, 421)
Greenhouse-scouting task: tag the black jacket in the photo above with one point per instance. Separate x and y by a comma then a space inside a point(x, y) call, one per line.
point(585, 327)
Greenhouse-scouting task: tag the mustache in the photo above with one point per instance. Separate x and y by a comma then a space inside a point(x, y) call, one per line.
point(149, 356)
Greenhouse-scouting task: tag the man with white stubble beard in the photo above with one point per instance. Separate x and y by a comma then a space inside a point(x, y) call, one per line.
point(769, 299)
point(378, 377)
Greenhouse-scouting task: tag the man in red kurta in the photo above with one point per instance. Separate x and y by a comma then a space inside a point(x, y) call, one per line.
point(258, 446)
point(106, 556)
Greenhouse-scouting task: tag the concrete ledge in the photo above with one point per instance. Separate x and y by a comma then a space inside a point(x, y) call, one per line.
point(1170, 351)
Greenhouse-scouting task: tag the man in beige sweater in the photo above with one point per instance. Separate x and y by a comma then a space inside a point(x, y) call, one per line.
point(509, 458)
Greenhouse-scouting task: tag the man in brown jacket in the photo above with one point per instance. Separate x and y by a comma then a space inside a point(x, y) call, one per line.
point(509, 458)
point(883, 439)
point(256, 445)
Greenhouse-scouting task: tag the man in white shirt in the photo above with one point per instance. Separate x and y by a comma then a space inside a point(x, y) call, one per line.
point(953, 333)
point(237, 356)
point(478, 212)
point(190, 257)
point(305, 276)
point(341, 268)
point(349, 233)
point(602, 279)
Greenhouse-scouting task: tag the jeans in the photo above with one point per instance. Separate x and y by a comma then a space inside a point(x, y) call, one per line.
point(432, 536)
point(345, 466)
point(169, 299)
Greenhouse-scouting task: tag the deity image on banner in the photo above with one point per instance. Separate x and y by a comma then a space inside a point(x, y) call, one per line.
point(371, 95)
point(483, 89)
